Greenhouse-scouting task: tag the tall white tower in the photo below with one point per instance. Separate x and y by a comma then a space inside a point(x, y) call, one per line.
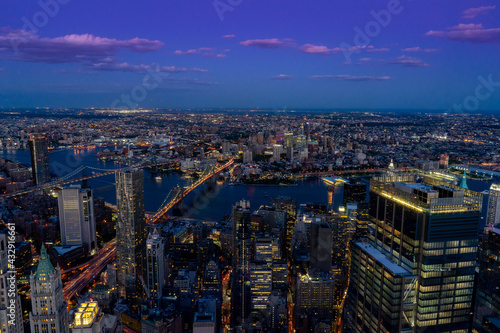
point(77, 218)
point(11, 316)
point(156, 273)
point(49, 309)
point(493, 214)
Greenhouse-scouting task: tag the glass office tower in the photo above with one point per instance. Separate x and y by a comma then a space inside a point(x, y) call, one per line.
point(130, 234)
point(415, 272)
point(39, 150)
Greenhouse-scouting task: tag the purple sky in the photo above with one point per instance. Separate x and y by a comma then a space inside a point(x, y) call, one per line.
point(289, 54)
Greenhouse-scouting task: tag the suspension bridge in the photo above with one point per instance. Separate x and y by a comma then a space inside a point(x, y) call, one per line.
point(178, 193)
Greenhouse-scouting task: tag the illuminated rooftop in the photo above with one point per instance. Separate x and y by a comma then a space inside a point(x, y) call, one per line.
point(85, 314)
point(405, 188)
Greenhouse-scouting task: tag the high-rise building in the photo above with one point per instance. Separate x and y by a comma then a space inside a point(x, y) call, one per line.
point(321, 246)
point(493, 213)
point(354, 191)
point(416, 273)
point(277, 151)
point(247, 156)
point(290, 207)
point(488, 292)
point(212, 277)
point(261, 285)
point(11, 316)
point(40, 167)
point(155, 247)
point(241, 262)
point(76, 217)
point(130, 235)
point(48, 313)
point(314, 292)
point(88, 318)
point(443, 161)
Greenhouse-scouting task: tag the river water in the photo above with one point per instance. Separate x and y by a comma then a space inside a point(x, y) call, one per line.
point(216, 202)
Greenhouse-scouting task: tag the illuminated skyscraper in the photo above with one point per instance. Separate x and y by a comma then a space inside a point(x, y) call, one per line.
point(155, 247)
point(39, 150)
point(493, 214)
point(241, 262)
point(11, 316)
point(76, 217)
point(130, 234)
point(49, 313)
point(261, 285)
point(416, 273)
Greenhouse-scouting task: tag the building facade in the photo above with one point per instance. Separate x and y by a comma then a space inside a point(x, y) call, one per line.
point(77, 218)
point(40, 167)
point(49, 309)
point(429, 230)
point(130, 235)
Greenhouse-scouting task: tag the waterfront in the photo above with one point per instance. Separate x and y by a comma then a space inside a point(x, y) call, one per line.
point(220, 198)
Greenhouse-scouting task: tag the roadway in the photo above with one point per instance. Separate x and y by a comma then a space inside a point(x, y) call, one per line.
point(95, 266)
point(180, 195)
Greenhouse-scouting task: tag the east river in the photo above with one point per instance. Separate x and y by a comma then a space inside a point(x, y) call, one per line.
point(214, 204)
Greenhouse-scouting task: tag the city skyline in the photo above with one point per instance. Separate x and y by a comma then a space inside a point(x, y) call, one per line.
point(242, 54)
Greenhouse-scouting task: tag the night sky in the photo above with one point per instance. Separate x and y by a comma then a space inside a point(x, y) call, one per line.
point(278, 54)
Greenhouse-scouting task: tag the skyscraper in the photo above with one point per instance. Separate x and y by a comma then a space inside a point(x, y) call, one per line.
point(416, 273)
point(488, 293)
point(493, 213)
point(321, 246)
point(49, 313)
point(354, 192)
point(290, 207)
point(155, 246)
point(11, 316)
point(241, 261)
point(76, 217)
point(40, 167)
point(130, 234)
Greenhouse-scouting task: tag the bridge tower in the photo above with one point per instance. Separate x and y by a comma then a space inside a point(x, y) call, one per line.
point(178, 209)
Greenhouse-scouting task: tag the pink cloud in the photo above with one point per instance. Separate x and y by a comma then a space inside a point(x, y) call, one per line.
point(220, 55)
point(371, 49)
point(318, 49)
point(352, 77)
point(473, 12)
point(407, 62)
point(418, 49)
point(474, 33)
point(26, 46)
point(272, 43)
point(228, 36)
point(142, 68)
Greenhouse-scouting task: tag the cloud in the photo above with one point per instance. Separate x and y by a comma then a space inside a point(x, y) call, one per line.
point(203, 51)
point(2, 69)
point(372, 49)
point(26, 46)
point(281, 77)
point(272, 43)
point(418, 49)
point(352, 77)
point(474, 33)
point(407, 62)
point(126, 67)
point(318, 49)
point(473, 12)
point(228, 36)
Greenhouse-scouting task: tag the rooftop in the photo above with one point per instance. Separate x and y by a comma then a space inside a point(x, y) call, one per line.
point(381, 258)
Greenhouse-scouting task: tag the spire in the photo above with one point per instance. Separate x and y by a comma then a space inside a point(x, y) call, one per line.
point(463, 183)
point(391, 166)
point(44, 265)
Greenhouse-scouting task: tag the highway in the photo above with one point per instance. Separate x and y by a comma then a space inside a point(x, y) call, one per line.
point(95, 266)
